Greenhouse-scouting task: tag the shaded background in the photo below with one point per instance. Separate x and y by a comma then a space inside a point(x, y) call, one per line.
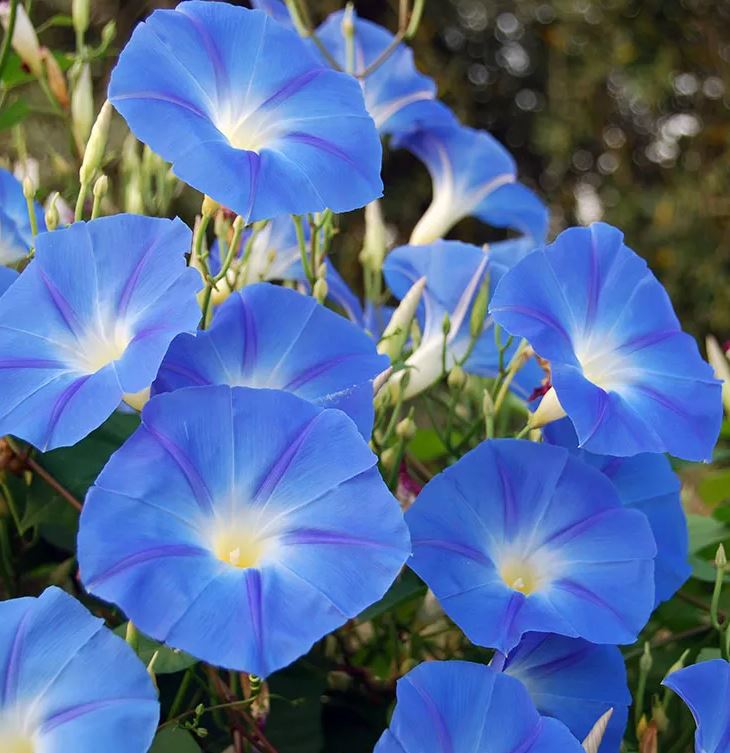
point(614, 110)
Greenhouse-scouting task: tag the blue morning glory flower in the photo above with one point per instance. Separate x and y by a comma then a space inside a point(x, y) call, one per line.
point(472, 175)
point(275, 8)
point(89, 320)
point(68, 682)
point(261, 524)
point(629, 379)
point(397, 96)
point(246, 113)
point(647, 483)
point(454, 272)
point(461, 707)
point(521, 537)
point(704, 688)
point(269, 336)
point(274, 255)
point(7, 278)
point(16, 237)
point(574, 681)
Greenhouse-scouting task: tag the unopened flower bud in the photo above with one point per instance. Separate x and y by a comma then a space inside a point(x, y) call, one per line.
point(456, 379)
point(679, 664)
point(659, 717)
point(80, 15)
point(406, 429)
point(25, 40)
point(348, 21)
point(52, 217)
point(721, 366)
point(29, 188)
point(209, 207)
point(389, 457)
point(101, 187)
point(593, 740)
point(646, 661)
point(108, 32)
point(446, 325)
point(720, 558)
point(320, 290)
point(322, 271)
point(94, 152)
point(487, 405)
point(56, 79)
point(479, 310)
point(376, 238)
point(396, 333)
point(82, 104)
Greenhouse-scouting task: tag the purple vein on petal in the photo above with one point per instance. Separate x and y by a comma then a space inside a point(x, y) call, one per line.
point(73, 713)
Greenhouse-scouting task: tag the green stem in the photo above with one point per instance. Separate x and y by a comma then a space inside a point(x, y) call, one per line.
point(8, 38)
point(181, 693)
point(80, 200)
point(301, 241)
point(31, 215)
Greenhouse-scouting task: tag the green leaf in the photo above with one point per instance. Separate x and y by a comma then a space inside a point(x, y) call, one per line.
point(407, 587)
point(168, 661)
point(715, 487)
point(75, 468)
point(174, 740)
point(295, 722)
point(13, 114)
point(704, 531)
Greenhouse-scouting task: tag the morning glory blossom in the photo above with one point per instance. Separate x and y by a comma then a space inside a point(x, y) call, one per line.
point(274, 255)
point(67, 682)
point(472, 175)
point(622, 369)
point(574, 681)
point(520, 537)
point(462, 707)
point(246, 112)
point(16, 237)
point(261, 524)
point(704, 688)
point(454, 272)
point(275, 8)
point(647, 483)
point(89, 320)
point(269, 336)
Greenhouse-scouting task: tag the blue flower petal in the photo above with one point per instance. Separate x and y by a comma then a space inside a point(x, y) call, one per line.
point(575, 682)
point(517, 551)
point(647, 483)
point(472, 175)
point(261, 525)
point(461, 707)
point(629, 379)
point(68, 682)
point(450, 268)
point(275, 8)
point(16, 236)
point(397, 96)
point(704, 688)
point(7, 278)
point(268, 336)
point(89, 320)
point(246, 113)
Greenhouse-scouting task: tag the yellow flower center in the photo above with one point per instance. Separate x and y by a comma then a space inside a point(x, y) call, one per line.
point(240, 548)
point(16, 744)
point(520, 575)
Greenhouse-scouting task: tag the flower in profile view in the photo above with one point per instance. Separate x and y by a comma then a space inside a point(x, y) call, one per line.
point(274, 255)
point(261, 524)
point(704, 688)
point(454, 272)
point(647, 483)
point(574, 681)
point(246, 112)
point(16, 236)
point(521, 537)
point(69, 682)
point(269, 336)
point(472, 175)
point(622, 369)
point(89, 320)
point(462, 707)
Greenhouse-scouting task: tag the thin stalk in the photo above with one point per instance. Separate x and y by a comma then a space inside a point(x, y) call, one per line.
point(8, 38)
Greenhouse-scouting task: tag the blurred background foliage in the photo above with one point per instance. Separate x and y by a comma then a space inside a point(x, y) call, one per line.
point(614, 109)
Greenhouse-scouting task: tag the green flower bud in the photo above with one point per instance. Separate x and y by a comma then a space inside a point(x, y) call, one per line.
point(80, 15)
point(82, 104)
point(456, 379)
point(101, 187)
point(52, 217)
point(406, 429)
point(96, 146)
point(320, 290)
